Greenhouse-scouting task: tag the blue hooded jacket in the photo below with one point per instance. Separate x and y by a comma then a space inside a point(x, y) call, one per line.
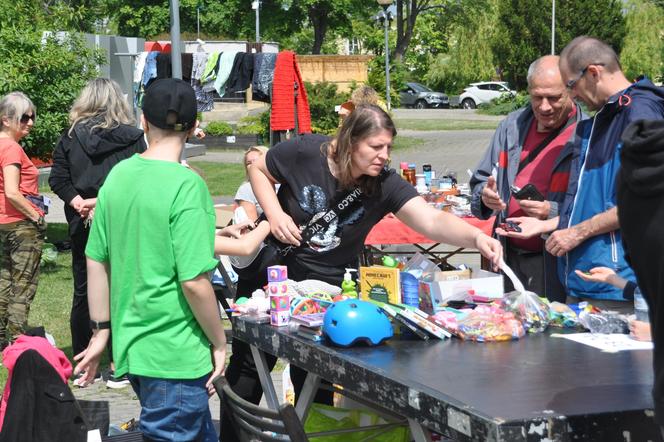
point(592, 187)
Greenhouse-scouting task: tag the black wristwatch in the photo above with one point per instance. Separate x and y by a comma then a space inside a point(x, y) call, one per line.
point(99, 325)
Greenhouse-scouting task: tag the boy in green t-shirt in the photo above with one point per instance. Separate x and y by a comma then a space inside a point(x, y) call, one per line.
point(152, 243)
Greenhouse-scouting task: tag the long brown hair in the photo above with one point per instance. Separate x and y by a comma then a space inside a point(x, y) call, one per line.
point(363, 122)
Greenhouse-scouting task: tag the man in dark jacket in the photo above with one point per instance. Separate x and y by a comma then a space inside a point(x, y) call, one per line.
point(641, 211)
point(530, 147)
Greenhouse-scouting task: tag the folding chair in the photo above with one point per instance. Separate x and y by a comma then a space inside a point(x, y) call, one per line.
point(254, 423)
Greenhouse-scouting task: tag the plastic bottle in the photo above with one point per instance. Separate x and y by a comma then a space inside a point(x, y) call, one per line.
point(348, 285)
point(411, 175)
point(426, 169)
point(640, 306)
point(403, 166)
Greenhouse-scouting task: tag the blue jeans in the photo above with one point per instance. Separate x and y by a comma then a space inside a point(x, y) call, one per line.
point(174, 409)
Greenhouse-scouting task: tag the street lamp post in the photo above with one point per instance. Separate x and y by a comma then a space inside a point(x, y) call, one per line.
point(257, 6)
point(386, 21)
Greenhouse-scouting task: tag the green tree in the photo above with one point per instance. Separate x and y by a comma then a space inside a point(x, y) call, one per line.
point(469, 57)
point(51, 71)
point(523, 30)
point(643, 50)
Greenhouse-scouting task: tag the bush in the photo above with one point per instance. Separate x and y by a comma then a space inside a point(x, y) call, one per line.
point(323, 97)
point(218, 129)
point(51, 72)
point(504, 104)
point(398, 74)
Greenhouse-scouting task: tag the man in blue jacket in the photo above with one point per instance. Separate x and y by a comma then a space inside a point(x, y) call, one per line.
point(588, 232)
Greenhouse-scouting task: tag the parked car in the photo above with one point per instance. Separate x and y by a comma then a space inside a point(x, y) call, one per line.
point(421, 97)
point(483, 92)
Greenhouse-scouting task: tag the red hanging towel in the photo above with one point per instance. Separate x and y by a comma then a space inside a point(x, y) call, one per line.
point(286, 74)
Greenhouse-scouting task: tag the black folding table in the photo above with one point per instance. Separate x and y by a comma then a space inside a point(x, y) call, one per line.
point(535, 389)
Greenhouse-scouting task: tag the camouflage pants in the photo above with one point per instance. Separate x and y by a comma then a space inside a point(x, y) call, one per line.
point(21, 244)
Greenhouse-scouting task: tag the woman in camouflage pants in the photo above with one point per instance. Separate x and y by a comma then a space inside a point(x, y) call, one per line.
point(22, 224)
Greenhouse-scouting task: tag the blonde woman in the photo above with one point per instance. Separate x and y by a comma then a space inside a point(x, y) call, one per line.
point(22, 223)
point(101, 134)
point(244, 197)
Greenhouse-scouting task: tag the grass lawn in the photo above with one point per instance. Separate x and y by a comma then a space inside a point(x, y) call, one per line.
point(404, 143)
point(444, 124)
point(221, 178)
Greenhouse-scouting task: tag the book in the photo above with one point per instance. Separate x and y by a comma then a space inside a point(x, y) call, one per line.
point(421, 320)
point(311, 320)
point(381, 284)
point(405, 323)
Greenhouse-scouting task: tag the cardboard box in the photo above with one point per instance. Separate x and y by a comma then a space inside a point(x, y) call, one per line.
point(449, 285)
point(224, 213)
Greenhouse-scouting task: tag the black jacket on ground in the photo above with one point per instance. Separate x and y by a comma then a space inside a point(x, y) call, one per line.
point(41, 408)
point(641, 213)
point(82, 161)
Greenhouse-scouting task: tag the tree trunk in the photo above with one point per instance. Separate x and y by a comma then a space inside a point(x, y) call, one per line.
point(318, 16)
point(403, 39)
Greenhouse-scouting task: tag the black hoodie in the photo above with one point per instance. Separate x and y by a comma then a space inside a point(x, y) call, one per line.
point(640, 195)
point(82, 161)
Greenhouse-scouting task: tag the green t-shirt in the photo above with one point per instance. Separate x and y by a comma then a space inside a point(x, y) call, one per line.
point(154, 225)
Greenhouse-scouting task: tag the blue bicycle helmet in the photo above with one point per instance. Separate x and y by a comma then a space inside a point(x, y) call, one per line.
point(351, 321)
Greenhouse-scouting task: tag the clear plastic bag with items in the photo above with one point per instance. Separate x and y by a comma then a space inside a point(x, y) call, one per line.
point(604, 322)
point(530, 309)
point(490, 323)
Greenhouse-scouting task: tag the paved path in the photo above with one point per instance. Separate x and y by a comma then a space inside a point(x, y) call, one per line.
point(451, 150)
point(124, 404)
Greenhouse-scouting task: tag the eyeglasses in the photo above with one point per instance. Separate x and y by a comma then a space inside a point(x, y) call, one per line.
point(25, 118)
point(570, 84)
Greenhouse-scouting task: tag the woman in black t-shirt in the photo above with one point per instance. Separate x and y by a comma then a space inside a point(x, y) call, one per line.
point(315, 171)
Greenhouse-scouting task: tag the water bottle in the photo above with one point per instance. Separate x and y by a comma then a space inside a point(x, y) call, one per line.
point(640, 306)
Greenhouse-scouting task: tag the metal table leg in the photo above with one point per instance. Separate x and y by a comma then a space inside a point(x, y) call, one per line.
point(311, 384)
point(419, 433)
point(265, 378)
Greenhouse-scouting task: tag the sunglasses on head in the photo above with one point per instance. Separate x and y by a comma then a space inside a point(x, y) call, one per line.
point(25, 118)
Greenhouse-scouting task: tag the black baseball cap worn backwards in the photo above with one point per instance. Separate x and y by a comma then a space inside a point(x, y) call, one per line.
point(170, 103)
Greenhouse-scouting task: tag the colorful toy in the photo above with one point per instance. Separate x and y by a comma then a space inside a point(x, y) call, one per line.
point(347, 287)
point(277, 273)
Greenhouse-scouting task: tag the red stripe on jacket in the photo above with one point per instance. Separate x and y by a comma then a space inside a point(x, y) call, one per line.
point(502, 159)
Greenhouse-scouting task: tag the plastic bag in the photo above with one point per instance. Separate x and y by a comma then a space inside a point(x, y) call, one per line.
point(562, 315)
point(420, 266)
point(528, 308)
point(326, 418)
point(490, 323)
point(49, 256)
point(604, 322)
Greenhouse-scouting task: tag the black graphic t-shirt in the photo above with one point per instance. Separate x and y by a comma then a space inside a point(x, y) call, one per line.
point(307, 190)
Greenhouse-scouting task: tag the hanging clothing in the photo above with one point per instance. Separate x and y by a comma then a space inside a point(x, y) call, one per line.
point(210, 72)
point(199, 59)
point(150, 70)
point(241, 73)
point(204, 100)
point(164, 69)
point(226, 60)
point(284, 96)
point(261, 83)
point(187, 65)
